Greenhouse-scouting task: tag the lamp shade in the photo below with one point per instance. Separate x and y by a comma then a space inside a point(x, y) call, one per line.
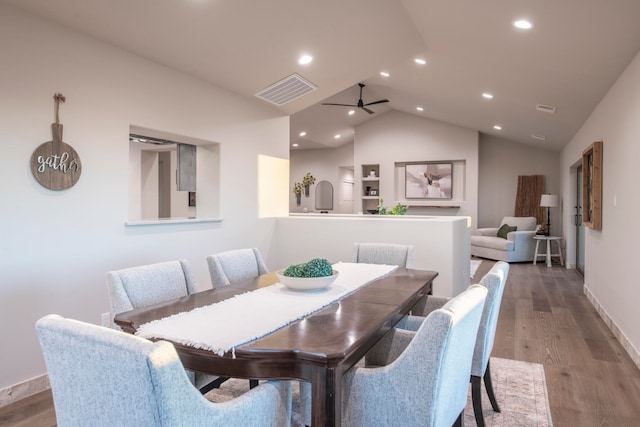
point(549, 201)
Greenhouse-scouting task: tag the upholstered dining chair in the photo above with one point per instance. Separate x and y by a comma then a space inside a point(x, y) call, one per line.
point(414, 378)
point(494, 281)
point(236, 265)
point(383, 253)
point(103, 377)
point(136, 287)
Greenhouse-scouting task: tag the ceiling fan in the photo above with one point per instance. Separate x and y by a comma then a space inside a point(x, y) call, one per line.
point(360, 103)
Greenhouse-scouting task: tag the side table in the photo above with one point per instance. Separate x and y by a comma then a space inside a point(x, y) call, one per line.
point(548, 255)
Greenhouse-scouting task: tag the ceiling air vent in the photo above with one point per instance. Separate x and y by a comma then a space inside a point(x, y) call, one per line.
point(546, 108)
point(286, 90)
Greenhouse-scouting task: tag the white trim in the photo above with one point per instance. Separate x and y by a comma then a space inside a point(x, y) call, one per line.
point(13, 393)
point(617, 332)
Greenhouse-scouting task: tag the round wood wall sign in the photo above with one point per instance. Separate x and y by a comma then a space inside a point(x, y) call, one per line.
point(55, 164)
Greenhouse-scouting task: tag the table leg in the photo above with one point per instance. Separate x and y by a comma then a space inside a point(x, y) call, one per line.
point(548, 253)
point(535, 254)
point(560, 252)
point(326, 392)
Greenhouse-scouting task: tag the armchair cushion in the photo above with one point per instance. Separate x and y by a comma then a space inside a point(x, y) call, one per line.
point(505, 229)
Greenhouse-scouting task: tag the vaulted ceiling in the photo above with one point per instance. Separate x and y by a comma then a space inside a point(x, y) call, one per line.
point(568, 60)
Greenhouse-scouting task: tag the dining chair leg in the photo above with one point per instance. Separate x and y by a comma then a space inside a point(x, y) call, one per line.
point(213, 384)
point(489, 386)
point(460, 421)
point(476, 397)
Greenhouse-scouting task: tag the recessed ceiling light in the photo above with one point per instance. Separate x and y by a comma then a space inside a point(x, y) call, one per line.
point(487, 95)
point(352, 112)
point(303, 133)
point(294, 145)
point(337, 136)
point(384, 74)
point(420, 61)
point(523, 24)
point(497, 127)
point(419, 108)
point(305, 59)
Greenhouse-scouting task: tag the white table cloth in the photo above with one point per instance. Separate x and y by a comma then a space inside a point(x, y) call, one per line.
point(222, 326)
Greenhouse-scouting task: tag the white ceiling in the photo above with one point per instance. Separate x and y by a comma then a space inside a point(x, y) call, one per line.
point(572, 56)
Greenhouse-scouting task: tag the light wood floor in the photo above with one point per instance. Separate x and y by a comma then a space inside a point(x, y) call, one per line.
point(544, 318)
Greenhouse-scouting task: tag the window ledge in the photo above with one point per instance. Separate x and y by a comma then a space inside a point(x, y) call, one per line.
point(170, 221)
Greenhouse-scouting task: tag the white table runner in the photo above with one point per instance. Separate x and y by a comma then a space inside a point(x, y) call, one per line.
point(222, 326)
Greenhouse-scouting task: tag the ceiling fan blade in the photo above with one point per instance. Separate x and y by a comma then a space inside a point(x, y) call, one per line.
point(377, 102)
point(367, 110)
point(342, 105)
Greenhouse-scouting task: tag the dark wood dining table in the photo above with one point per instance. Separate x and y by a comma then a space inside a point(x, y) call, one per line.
point(318, 349)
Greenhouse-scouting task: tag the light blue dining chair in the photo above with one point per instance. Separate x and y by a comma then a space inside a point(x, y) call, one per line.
point(494, 281)
point(235, 266)
point(384, 253)
point(144, 285)
point(416, 378)
point(103, 377)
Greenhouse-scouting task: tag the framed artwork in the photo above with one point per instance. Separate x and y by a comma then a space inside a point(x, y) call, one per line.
point(373, 192)
point(429, 180)
point(592, 186)
point(192, 198)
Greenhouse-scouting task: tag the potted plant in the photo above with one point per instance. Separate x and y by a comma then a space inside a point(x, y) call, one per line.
point(306, 182)
point(297, 190)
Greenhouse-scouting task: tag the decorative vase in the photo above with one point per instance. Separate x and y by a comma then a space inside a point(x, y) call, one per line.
point(306, 191)
point(298, 199)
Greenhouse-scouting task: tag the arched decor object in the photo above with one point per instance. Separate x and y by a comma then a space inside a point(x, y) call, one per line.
point(324, 196)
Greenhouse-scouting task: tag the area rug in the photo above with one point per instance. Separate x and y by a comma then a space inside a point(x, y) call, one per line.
point(520, 388)
point(475, 263)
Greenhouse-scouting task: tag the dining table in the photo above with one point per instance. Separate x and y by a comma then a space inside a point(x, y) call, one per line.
point(318, 348)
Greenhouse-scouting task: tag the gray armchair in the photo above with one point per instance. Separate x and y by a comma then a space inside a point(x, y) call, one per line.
point(103, 377)
point(494, 281)
point(145, 285)
point(518, 246)
point(422, 377)
point(383, 253)
point(236, 265)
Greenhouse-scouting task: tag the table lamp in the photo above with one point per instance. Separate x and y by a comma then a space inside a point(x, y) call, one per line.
point(549, 201)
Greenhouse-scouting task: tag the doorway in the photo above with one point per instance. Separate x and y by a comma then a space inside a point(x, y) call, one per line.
point(580, 229)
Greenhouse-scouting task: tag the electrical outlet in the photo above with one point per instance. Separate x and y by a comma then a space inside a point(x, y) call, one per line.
point(106, 319)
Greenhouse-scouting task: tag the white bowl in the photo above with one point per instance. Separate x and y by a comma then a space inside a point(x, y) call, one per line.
point(306, 283)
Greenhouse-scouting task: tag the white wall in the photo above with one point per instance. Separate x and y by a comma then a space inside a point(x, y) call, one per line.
point(501, 162)
point(400, 137)
point(610, 273)
point(323, 164)
point(56, 246)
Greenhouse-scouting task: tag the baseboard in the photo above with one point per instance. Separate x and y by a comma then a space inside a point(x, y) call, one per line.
point(617, 332)
point(13, 393)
